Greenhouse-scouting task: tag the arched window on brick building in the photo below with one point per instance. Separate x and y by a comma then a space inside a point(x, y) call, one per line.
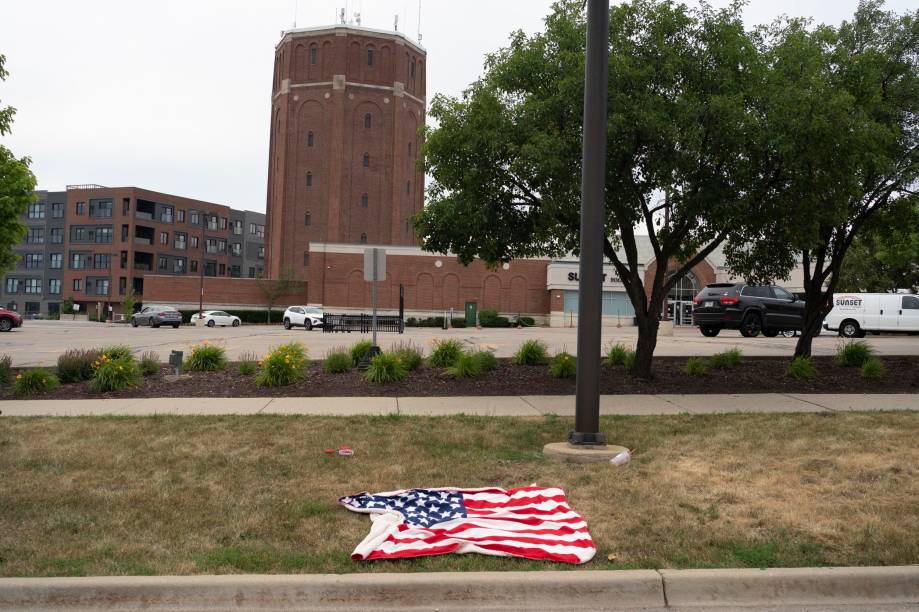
point(365, 201)
point(368, 119)
point(309, 139)
point(307, 219)
point(363, 238)
point(366, 160)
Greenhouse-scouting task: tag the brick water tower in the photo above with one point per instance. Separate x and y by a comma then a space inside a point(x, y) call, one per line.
point(346, 105)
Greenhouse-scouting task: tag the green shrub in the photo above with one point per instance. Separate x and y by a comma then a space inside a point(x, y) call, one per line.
point(526, 321)
point(115, 374)
point(726, 359)
point(150, 363)
point(338, 361)
point(801, 367)
point(487, 360)
point(563, 365)
point(76, 365)
point(283, 365)
point(615, 354)
point(206, 357)
point(873, 368)
point(6, 370)
point(412, 357)
point(248, 364)
point(486, 316)
point(458, 322)
point(358, 350)
point(117, 351)
point(695, 366)
point(445, 353)
point(386, 368)
point(36, 380)
point(853, 354)
point(467, 365)
point(532, 352)
point(629, 360)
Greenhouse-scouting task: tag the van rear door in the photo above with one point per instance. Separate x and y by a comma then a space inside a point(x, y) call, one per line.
point(889, 312)
point(908, 319)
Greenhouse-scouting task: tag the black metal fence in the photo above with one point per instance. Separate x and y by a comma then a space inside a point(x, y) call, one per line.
point(362, 323)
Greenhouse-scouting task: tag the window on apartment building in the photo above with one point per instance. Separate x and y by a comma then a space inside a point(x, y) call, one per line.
point(223, 270)
point(37, 210)
point(78, 234)
point(236, 249)
point(307, 219)
point(309, 180)
point(123, 287)
point(366, 160)
point(124, 233)
point(363, 238)
point(104, 235)
point(370, 57)
point(56, 261)
point(164, 237)
point(57, 210)
point(36, 235)
point(261, 252)
point(78, 261)
point(368, 119)
point(125, 206)
point(210, 268)
point(314, 52)
point(57, 235)
point(102, 286)
point(81, 208)
point(162, 263)
point(179, 265)
point(212, 222)
point(12, 284)
point(237, 228)
point(195, 218)
point(33, 285)
point(180, 216)
point(78, 284)
point(166, 216)
point(309, 139)
point(235, 271)
point(223, 223)
point(100, 208)
point(306, 259)
point(35, 260)
point(365, 201)
point(251, 272)
point(101, 261)
point(194, 265)
point(257, 230)
point(194, 242)
point(180, 241)
point(123, 260)
point(54, 286)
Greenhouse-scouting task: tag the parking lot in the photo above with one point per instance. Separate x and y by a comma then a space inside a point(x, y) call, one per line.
point(40, 342)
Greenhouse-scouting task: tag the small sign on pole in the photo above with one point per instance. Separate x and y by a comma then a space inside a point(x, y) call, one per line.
point(374, 270)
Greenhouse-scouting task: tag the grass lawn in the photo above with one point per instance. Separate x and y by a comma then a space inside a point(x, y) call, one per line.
point(187, 495)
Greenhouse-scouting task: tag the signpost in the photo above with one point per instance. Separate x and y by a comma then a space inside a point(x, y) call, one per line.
point(374, 271)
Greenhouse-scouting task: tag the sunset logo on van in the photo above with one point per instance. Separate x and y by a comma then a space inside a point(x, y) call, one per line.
point(849, 300)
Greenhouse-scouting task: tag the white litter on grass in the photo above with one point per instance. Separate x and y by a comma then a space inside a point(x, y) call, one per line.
point(621, 458)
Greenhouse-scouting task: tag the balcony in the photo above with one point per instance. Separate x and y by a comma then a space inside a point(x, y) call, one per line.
point(145, 210)
point(139, 240)
point(144, 215)
point(144, 235)
point(143, 267)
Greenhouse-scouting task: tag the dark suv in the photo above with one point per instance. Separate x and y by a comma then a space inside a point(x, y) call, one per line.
point(750, 308)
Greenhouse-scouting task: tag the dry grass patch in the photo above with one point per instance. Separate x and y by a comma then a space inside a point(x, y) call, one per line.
point(187, 495)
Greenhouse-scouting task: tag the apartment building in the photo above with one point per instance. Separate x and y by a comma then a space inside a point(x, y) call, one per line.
point(92, 244)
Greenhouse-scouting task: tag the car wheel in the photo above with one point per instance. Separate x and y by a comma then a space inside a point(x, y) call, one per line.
point(6, 325)
point(308, 325)
point(211, 323)
point(850, 329)
point(133, 322)
point(235, 322)
point(150, 322)
point(175, 326)
point(710, 332)
point(789, 333)
point(287, 324)
point(770, 333)
point(751, 325)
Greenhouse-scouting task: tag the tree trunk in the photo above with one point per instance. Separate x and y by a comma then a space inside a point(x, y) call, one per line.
point(817, 304)
point(647, 341)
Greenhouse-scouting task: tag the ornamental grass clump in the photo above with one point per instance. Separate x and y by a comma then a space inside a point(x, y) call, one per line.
point(412, 357)
point(802, 367)
point(248, 364)
point(115, 374)
point(726, 359)
point(695, 366)
point(358, 350)
point(150, 363)
point(445, 353)
point(76, 365)
point(873, 368)
point(117, 351)
point(467, 365)
point(338, 361)
point(34, 381)
point(853, 354)
point(283, 365)
point(629, 359)
point(206, 357)
point(386, 368)
point(563, 365)
point(487, 360)
point(6, 370)
point(615, 354)
point(531, 353)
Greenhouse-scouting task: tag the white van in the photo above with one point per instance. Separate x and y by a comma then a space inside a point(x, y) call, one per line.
point(854, 314)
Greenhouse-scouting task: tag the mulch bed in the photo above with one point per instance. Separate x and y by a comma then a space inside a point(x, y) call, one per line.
point(752, 375)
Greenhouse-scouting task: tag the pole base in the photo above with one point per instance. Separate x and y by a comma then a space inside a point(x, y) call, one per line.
point(563, 451)
point(372, 352)
point(579, 438)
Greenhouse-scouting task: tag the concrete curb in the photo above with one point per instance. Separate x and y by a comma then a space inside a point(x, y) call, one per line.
point(537, 590)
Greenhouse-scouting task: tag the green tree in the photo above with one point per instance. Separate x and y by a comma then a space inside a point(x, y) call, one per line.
point(127, 303)
point(842, 111)
point(272, 289)
point(17, 188)
point(506, 156)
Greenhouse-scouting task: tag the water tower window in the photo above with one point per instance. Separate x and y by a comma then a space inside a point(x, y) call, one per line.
point(370, 57)
point(309, 139)
point(313, 54)
point(366, 160)
point(367, 120)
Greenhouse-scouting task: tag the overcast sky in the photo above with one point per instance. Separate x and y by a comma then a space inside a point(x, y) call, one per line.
point(174, 95)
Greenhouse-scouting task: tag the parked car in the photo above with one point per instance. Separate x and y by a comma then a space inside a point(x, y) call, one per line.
point(216, 317)
point(9, 319)
point(854, 314)
point(154, 316)
point(306, 317)
point(752, 309)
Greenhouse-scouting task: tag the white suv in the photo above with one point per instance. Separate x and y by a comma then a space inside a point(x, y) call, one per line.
point(306, 317)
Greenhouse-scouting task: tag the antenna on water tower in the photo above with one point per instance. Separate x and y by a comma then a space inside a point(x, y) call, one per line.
point(296, 6)
point(357, 18)
point(395, 25)
point(419, 22)
point(342, 16)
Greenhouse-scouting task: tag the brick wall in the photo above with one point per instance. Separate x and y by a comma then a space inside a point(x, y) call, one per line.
point(218, 292)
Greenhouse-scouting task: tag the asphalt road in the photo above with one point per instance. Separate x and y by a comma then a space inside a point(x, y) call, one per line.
point(40, 342)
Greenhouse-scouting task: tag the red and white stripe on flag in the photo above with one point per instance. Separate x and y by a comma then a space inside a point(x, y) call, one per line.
point(529, 522)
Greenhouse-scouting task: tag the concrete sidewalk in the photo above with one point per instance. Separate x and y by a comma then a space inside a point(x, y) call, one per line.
point(865, 588)
point(524, 405)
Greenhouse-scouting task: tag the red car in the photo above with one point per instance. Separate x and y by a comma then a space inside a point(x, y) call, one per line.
point(9, 319)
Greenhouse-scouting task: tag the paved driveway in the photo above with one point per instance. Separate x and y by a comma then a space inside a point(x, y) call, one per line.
point(40, 342)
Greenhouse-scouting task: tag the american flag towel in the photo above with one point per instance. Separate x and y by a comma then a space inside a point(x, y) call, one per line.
point(530, 522)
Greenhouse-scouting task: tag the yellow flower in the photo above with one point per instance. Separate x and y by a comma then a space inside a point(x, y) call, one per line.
point(18, 376)
point(205, 342)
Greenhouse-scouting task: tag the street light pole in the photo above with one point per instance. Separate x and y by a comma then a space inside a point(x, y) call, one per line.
point(593, 227)
point(203, 247)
